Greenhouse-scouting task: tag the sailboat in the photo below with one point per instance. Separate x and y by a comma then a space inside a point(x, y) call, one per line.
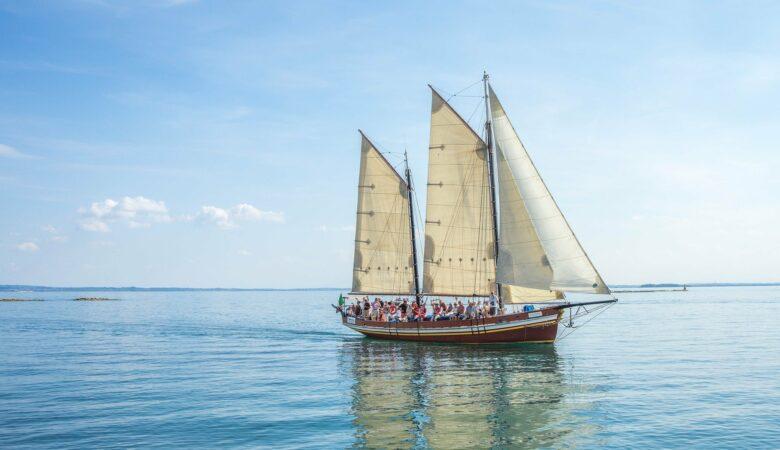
point(492, 230)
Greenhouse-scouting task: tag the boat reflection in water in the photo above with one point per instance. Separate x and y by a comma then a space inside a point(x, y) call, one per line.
point(427, 395)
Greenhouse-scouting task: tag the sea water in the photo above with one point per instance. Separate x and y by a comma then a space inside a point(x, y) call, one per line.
point(696, 369)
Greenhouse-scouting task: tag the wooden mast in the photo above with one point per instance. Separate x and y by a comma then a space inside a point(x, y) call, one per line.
point(408, 175)
point(491, 179)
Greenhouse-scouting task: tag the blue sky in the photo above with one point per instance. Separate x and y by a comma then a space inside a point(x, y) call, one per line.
point(199, 143)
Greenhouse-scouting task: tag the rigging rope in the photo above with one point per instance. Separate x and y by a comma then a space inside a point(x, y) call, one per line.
point(573, 329)
point(464, 89)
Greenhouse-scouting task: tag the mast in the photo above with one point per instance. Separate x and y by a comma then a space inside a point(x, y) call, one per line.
point(408, 175)
point(492, 182)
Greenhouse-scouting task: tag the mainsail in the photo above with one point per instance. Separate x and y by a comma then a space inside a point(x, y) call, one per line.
point(383, 261)
point(459, 255)
point(548, 244)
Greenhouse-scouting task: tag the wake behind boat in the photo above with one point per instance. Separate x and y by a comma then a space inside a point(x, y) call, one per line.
point(493, 235)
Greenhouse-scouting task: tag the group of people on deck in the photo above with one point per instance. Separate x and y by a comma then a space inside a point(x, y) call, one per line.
point(402, 310)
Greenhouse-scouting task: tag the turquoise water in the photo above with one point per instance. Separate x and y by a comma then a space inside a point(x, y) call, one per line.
point(699, 369)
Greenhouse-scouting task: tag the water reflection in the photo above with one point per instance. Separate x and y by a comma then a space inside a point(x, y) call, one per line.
point(407, 395)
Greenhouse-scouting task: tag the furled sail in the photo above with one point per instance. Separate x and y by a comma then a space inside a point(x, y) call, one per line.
point(572, 270)
point(383, 261)
point(459, 247)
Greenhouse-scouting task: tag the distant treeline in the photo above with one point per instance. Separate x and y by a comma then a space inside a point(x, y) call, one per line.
point(24, 287)
point(676, 285)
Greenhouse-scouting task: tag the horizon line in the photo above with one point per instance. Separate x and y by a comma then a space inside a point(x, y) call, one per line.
point(33, 287)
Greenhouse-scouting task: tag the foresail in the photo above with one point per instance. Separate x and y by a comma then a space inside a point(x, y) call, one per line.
point(521, 258)
point(572, 269)
point(383, 257)
point(459, 246)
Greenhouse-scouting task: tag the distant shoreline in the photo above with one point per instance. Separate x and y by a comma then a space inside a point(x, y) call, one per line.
point(34, 288)
point(29, 288)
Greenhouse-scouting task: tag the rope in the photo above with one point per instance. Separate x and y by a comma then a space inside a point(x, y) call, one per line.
point(465, 88)
point(601, 310)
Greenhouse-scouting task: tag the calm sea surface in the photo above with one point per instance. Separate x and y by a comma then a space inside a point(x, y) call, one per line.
point(276, 369)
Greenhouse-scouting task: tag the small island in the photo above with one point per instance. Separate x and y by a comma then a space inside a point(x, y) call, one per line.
point(93, 299)
point(21, 300)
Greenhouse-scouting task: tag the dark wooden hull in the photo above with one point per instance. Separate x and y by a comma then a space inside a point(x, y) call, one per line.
point(534, 327)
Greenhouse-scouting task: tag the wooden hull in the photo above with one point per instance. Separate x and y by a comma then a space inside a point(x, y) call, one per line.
point(533, 327)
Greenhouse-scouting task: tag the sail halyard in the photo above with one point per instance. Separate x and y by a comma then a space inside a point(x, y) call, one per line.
point(383, 261)
point(572, 269)
point(459, 251)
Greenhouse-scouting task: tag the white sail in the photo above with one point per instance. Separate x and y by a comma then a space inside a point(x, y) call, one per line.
point(459, 246)
point(383, 261)
point(521, 258)
point(521, 295)
point(571, 267)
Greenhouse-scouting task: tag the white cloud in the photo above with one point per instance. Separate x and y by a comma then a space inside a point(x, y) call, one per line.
point(49, 229)
point(28, 247)
point(244, 212)
point(243, 252)
point(96, 225)
point(219, 216)
point(135, 212)
point(59, 239)
point(9, 152)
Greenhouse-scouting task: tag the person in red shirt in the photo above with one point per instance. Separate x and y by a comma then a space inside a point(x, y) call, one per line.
point(436, 311)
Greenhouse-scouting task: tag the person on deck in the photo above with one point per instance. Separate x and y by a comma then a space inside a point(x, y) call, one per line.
point(471, 310)
point(392, 312)
point(357, 309)
point(493, 304)
point(376, 309)
point(461, 310)
point(436, 311)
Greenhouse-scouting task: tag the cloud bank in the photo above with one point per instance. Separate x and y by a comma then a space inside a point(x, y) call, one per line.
point(28, 247)
point(135, 212)
point(141, 212)
point(227, 219)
